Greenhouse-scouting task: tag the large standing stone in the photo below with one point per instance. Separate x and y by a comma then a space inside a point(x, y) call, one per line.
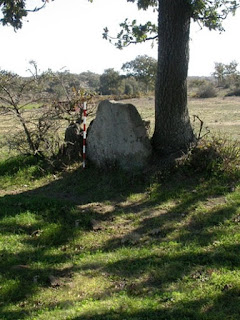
point(118, 137)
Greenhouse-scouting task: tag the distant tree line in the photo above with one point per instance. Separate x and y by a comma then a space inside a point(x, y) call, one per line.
point(44, 104)
point(225, 78)
point(138, 76)
point(227, 75)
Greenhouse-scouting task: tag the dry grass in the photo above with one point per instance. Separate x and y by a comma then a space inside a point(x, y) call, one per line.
point(220, 115)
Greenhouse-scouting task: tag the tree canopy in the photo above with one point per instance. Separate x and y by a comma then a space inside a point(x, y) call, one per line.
point(208, 13)
point(144, 69)
point(13, 12)
point(110, 81)
point(173, 131)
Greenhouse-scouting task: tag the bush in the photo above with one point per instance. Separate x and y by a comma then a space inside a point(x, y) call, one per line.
point(217, 156)
point(206, 91)
point(235, 92)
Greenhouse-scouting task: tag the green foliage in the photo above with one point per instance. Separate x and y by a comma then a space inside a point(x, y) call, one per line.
point(131, 86)
point(22, 171)
point(144, 69)
point(209, 14)
point(14, 11)
point(110, 82)
point(91, 79)
point(219, 73)
point(235, 92)
point(217, 156)
point(227, 75)
point(132, 33)
point(13, 165)
point(212, 13)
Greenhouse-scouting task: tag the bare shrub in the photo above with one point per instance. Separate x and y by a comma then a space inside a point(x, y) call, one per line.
point(40, 118)
point(206, 91)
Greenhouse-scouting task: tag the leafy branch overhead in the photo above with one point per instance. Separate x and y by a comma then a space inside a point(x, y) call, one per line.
point(208, 13)
point(211, 13)
point(14, 12)
point(131, 32)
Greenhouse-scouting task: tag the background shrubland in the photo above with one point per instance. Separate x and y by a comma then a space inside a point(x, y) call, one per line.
point(42, 105)
point(87, 244)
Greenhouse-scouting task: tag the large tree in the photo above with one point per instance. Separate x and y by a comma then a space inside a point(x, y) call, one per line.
point(110, 82)
point(144, 69)
point(173, 130)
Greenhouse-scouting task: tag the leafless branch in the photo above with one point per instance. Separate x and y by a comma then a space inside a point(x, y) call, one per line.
point(199, 137)
point(38, 8)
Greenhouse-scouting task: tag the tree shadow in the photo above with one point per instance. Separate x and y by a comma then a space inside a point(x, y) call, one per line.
point(54, 208)
point(12, 165)
point(225, 306)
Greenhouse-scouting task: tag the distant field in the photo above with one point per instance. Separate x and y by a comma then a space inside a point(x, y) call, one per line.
point(220, 115)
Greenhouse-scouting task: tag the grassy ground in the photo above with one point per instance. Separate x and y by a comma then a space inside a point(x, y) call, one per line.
point(86, 244)
point(220, 114)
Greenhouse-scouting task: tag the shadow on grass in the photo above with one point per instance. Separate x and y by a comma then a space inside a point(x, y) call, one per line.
point(52, 209)
point(15, 164)
point(225, 306)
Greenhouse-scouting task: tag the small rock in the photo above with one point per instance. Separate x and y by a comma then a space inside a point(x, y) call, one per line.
point(155, 232)
point(54, 282)
point(132, 238)
point(96, 226)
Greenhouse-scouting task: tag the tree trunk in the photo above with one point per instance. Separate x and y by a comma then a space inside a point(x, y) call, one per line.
point(173, 131)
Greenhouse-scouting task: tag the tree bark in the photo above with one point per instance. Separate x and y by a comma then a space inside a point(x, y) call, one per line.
point(173, 131)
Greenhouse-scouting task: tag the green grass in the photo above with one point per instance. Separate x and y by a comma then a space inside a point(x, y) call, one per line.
point(86, 244)
point(21, 172)
point(106, 245)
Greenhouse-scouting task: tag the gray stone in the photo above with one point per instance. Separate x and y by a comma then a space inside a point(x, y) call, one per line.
point(118, 137)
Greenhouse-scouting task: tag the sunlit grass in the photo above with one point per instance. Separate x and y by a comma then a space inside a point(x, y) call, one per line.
point(87, 244)
point(160, 250)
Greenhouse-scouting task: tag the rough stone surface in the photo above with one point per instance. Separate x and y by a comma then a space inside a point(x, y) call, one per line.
point(118, 137)
point(71, 150)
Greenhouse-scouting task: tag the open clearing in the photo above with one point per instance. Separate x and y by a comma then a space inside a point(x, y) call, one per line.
point(220, 115)
point(86, 244)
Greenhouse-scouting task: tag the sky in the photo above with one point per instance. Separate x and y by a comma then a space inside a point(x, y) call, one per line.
point(67, 35)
